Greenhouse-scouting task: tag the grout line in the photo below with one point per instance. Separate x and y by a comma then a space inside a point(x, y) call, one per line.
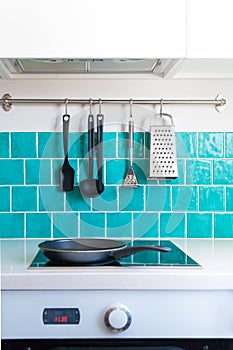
point(10, 133)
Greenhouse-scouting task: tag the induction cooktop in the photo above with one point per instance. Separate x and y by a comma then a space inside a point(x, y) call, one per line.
point(174, 258)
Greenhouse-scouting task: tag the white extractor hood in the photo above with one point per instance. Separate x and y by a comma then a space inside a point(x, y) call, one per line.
point(46, 68)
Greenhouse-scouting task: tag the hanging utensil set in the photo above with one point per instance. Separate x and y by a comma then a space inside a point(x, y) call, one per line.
point(163, 162)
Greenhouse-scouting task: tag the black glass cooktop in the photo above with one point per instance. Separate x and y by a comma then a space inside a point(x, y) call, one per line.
point(174, 258)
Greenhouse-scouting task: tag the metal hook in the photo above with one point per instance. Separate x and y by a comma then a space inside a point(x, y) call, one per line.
point(90, 104)
point(66, 104)
point(100, 106)
point(161, 107)
point(131, 107)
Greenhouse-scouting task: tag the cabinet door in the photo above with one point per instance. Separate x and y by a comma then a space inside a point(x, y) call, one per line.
point(209, 28)
point(90, 28)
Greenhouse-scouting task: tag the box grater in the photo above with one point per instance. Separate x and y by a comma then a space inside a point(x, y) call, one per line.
point(163, 162)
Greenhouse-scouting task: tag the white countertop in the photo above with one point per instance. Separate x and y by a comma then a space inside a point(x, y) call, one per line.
point(214, 256)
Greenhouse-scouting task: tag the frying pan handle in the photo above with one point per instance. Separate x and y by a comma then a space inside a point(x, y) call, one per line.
point(123, 253)
point(91, 143)
point(66, 123)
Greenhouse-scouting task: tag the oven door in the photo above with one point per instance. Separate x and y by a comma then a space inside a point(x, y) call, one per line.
point(120, 344)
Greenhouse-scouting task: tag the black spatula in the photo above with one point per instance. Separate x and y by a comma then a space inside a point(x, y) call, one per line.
point(66, 172)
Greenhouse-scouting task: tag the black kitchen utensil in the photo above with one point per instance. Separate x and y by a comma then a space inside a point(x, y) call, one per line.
point(91, 250)
point(66, 172)
point(100, 119)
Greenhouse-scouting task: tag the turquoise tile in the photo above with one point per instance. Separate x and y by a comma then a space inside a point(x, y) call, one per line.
point(229, 198)
point(51, 198)
point(180, 180)
point(119, 225)
point(199, 225)
point(24, 198)
point(199, 172)
point(141, 168)
point(223, 173)
point(172, 225)
point(186, 144)
point(115, 171)
point(223, 226)
point(38, 172)
point(76, 202)
point(77, 145)
point(123, 145)
point(158, 198)
point(107, 201)
point(92, 224)
point(65, 225)
point(229, 144)
point(50, 145)
point(131, 199)
point(56, 170)
point(210, 145)
point(38, 225)
point(4, 145)
point(11, 172)
point(145, 225)
point(4, 198)
point(23, 144)
point(12, 225)
point(211, 198)
point(109, 144)
point(84, 169)
point(184, 198)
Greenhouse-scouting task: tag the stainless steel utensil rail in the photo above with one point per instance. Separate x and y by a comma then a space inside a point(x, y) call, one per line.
point(7, 101)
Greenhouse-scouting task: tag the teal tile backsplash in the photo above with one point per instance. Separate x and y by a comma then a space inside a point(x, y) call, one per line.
point(198, 204)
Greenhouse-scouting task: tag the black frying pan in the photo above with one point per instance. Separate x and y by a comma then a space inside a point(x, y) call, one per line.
point(91, 250)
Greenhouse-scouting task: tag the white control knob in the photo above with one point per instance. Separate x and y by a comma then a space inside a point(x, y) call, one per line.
point(118, 317)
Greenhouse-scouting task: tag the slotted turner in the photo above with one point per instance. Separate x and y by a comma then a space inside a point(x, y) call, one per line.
point(163, 161)
point(130, 178)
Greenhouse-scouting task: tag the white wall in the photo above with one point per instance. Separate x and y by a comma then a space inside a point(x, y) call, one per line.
point(39, 117)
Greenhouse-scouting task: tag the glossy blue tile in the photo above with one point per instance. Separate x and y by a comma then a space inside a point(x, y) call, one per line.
point(211, 198)
point(198, 172)
point(23, 145)
point(145, 225)
point(51, 198)
point(77, 145)
point(92, 224)
point(65, 225)
point(109, 144)
point(50, 145)
point(184, 198)
point(186, 144)
point(131, 199)
point(223, 173)
point(38, 225)
point(11, 172)
point(107, 200)
point(199, 225)
point(158, 198)
point(38, 172)
point(210, 144)
point(12, 225)
point(172, 225)
point(4, 199)
point(4, 145)
point(76, 202)
point(229, 198)
point(115, 171)
point(24, 198)
point(119, 225)
point(223, 226)
point(229, 144)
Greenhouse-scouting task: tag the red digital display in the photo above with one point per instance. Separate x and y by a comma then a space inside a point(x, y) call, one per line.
point(61, 316)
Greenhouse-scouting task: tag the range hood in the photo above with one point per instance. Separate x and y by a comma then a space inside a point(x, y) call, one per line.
point(25, 68)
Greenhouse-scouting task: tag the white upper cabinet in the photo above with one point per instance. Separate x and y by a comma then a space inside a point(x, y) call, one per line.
point(90, 28)
point(209, 28)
